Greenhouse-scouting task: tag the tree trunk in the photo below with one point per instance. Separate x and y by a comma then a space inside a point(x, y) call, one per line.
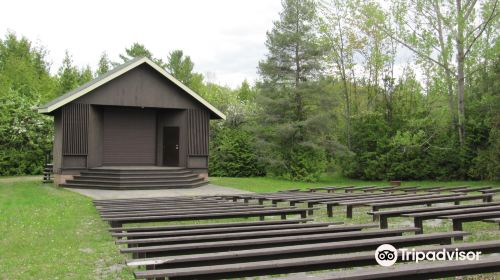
point(447, 71)
point(460, 72)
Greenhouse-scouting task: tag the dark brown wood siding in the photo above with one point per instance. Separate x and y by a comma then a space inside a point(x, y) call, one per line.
point(75, 124)
point(198, 126)
point(141, 87)
point(129, 136)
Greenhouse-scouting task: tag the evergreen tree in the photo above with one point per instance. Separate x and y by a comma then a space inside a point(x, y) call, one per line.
point(287, 93)
point(139, 50)
point(180, 66)
point(104, 64)
point(68, 75)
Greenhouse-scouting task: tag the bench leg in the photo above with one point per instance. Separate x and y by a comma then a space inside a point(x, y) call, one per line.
point(310, 205)
point(115, 224)
point(349, 211)
point(457, 226)
point(329, 210)
point(384, 223)
point(418, 224)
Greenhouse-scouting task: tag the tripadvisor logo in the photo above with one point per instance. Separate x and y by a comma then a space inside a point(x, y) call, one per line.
point(387, 255)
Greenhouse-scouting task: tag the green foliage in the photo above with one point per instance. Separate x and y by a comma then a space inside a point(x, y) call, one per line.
point(304, 163)
point(104, 64)
point(292, 127)
point(233, 154)
point(139, 50)
point(25, 135)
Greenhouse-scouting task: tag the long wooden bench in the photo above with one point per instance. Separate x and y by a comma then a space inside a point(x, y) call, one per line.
point(320, 249)
point(190, 207)
point(228, 229)
point(119, 221)
point(350, 204)
point(279, 266)
point(215, 246)
point(421, 271)
point(458, 220)
point(420, 217)
point(473, 189)
point(172, 228)
point(190, 211)
point(382, 216)
point(493, 220)
point(221, 236)
point(428, 201)
point(495, 190)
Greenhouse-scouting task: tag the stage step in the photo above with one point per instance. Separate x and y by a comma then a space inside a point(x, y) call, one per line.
point(135, 179)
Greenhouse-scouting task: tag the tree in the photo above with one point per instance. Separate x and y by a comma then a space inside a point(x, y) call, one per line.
point(291, 129)
point(245, 92)
point(68, 75)
point(139, 50)
point(180, 66)
point(104, 64)
point(341, 44)
point(25, 82)
point(429, 28)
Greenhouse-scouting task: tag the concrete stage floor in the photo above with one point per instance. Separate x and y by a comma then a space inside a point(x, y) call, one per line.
point(203, 190)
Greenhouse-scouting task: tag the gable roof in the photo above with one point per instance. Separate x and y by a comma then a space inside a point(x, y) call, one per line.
point(116, 72)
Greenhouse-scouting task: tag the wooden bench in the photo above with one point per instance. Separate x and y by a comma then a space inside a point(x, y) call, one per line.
point(119, 221)
point(176, 207)
point(221, 236)
point(172, 228)
point(228, 229)
point(407, 197)
point(491, 191)
point(359, 258)
point(458, 220)
point(472, 189)
point(255, 243)
point(382, 216)
point(419, 217)
point(180, 210)
point(429, 201)
point(329, 189)
point(279, 266)
point(494, 220)
point(430, 270)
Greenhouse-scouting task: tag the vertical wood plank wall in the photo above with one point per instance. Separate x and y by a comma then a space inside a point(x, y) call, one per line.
point(198, 132)
point(75, 124)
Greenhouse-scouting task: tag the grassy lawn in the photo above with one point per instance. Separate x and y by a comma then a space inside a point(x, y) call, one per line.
point(267, 184)
point(50, 233)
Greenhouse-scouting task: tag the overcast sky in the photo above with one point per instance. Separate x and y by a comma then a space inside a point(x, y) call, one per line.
point(223, 37)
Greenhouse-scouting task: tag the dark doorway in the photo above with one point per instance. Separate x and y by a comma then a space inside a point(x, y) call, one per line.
point(171, 146)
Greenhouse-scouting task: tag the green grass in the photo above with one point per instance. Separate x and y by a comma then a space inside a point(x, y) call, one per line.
point(269, 184)
point(50, 233)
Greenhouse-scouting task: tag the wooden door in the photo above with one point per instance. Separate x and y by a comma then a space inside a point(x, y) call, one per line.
point(171, 146)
